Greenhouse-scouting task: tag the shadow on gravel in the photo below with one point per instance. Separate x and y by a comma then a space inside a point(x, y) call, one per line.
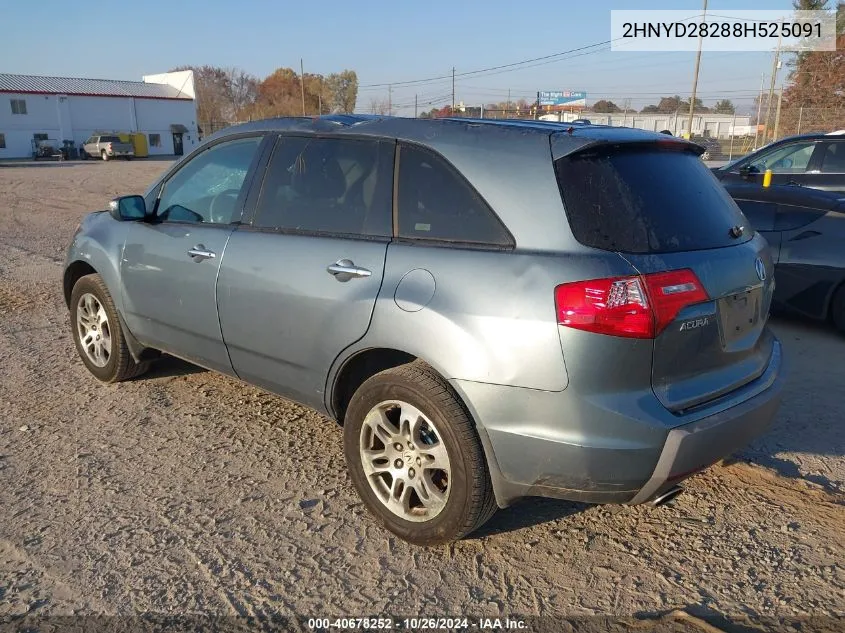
point(814, 355)
point(527, 513)
point(168, 366)
point(701, 619)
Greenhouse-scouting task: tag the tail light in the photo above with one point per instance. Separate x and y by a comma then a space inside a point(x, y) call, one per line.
point(634, 307)
point(108, 146)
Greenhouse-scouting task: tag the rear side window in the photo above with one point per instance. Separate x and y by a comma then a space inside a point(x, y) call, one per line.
point(643, 200)
point(436, 203)
point(328, 185)
point(109, 139)
point(833, 160)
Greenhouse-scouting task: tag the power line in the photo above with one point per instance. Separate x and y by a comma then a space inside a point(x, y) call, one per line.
point(485, 70)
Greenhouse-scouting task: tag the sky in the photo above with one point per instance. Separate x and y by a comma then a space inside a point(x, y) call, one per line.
point(384, 42)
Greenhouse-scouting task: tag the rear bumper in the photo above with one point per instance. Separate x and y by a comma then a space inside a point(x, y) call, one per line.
point(568, 446)
point(692, 447)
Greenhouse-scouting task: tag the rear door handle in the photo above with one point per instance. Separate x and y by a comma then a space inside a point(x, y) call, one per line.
point(200, 252)
point(345, 269)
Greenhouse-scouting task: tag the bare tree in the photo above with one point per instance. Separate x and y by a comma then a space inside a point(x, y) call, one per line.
point(379, 106)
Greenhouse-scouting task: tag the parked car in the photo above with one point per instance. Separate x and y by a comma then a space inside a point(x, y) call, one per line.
point(806, 229)
point(492, 309)
point(810, 160)
point(106, 147)
point(712, 147)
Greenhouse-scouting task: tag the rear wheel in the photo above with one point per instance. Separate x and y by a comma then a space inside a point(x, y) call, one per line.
point(104, 155)
point(415, 458)
point(97, 332)
point(837, 309)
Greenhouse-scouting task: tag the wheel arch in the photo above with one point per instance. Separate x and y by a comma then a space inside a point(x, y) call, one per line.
point(363, 364)
point(357, 368)
point(73, 273)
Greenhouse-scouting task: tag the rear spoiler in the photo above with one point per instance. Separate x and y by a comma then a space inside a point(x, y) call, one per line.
point(576, 140)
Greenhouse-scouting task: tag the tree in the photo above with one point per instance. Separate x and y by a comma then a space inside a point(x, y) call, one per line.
point(670, 105)
point(379, 106)
point(606, 106)
point(725, 106)
point(814, 98)
point(342, 91)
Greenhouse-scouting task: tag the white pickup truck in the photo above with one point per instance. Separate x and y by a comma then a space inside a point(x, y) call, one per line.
point(107, 147)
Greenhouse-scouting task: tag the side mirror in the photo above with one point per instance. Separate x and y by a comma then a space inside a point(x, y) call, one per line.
point(128, 208)
point(746, 170)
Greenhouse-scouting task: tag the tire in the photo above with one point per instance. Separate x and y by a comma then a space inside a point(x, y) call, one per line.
point(119, 364)
point(104, 156)
point(468, 501)
point(83, 155)
point(837, 309)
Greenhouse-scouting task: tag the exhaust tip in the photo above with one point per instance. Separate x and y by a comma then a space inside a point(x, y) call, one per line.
point(667, 496)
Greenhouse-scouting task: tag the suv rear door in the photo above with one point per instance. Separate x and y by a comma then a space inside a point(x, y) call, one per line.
point(662, 210)
point(299, 282)
point(827, 170)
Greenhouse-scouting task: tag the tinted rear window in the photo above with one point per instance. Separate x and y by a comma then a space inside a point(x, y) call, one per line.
point(109, 139)
point(642, 200)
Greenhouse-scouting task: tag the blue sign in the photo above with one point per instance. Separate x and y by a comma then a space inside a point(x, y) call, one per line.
point(562, 98)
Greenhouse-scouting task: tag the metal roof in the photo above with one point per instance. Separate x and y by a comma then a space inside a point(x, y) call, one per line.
point(35, 84)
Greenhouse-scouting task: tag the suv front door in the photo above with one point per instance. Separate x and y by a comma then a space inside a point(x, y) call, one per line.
point(300, 283)
point(170, 262)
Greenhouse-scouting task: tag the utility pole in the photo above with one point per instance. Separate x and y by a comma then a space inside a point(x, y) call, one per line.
point(777, 115)
point(508, 106)
point(389, 100)
point(302, 84)
point(695, 75)
point(775, 64)
point(759, 109)
point(453, 90)
point(415, 106)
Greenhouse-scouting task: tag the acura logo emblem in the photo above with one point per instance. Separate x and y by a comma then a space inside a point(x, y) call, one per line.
point(760, 267)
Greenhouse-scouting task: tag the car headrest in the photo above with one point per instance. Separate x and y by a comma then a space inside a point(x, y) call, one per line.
point(317, 176)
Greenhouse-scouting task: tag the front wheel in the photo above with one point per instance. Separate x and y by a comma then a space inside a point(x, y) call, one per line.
point(98, 334)
point(415, 458)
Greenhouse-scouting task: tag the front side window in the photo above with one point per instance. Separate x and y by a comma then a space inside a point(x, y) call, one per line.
point(436, 203)
point(833, 158)
point(328, 185)
point(789, 159)
point(207, 189)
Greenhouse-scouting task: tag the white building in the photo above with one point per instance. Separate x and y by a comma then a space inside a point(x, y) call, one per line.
point(64, 108)
point(703, 123)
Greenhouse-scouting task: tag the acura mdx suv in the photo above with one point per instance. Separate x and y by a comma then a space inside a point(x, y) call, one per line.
point(491, 309)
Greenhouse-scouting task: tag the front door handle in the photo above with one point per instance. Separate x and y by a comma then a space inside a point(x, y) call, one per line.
point(199, 252)
point(344, 270)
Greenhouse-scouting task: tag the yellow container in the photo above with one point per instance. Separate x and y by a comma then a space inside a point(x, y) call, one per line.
point(139, 142)
point(767, 178)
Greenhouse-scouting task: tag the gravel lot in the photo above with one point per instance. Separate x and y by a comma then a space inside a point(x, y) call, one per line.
point(188, 492)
